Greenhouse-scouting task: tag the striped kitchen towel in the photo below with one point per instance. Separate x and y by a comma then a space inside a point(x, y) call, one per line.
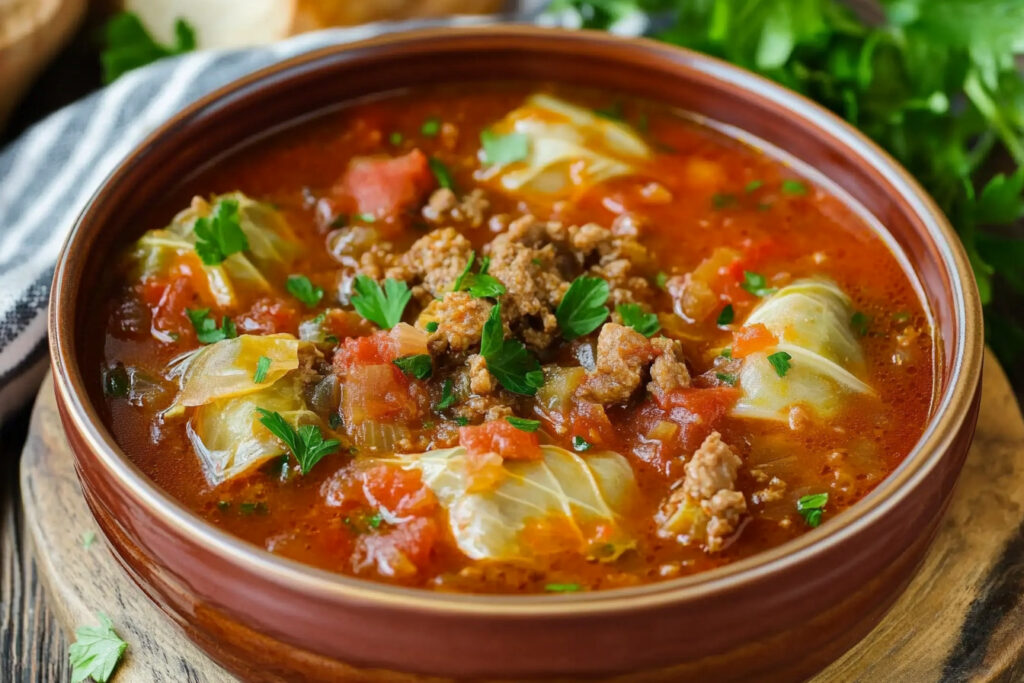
point(49, 173)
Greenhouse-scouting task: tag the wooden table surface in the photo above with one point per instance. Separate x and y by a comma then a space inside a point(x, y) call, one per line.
point(33, 647)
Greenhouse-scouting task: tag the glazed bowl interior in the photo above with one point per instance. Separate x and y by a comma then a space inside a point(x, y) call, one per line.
point(724, 94)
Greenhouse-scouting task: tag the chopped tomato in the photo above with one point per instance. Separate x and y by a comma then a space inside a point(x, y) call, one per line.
point(269, 315)
point(751, 339)
point(401, 492)
point(590, 422)
point(384, 186)
point(401, 551)
point(374, 349)
point(499, 436)
point(172, 298)
point(695, 413)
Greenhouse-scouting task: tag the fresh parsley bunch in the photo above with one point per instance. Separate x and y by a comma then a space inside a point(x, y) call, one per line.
point(934, 82)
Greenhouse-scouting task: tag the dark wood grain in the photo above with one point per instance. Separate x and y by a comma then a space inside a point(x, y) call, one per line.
point(33, 646)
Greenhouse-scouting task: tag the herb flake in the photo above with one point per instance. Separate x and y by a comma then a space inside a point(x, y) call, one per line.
point(582, 309)
point(641, 321)
point(418, 366)
point(302, 288)
point(96, 652)
point(383, 307)
point(523, 424)
point(307, 444)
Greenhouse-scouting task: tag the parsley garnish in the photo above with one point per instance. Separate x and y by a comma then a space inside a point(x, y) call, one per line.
point(462, 421)
point(582, 309)
point(447, 397)
point(811, 508)
point(307, 444)
point(116, 382)
point(726, 352)
point(432, 326)
point(580, 444)
point(395, 138)
point(753, 185)
point(385, 307)
point(365, 217)
point(727, 378)
point(563, 587)
point(780, 361)
point(262, 365)
point(96, 652)
point(515, 368)
point(219, 235)
point(479, 285)
point(756, 284)
point(129, 45)
point(504, 149)
point(727, 315)
point(431, 127)
point(790, 186)
point(302, 289)
point(523, 424)
point(634, 316)
point(860, 322)
point(206, 328)
point(88, 538)
point(257, 508)
point(441, 173)
point(723, 200)
point(936, 84)
point(418, 366)
point(661, 279)
point(613, 111)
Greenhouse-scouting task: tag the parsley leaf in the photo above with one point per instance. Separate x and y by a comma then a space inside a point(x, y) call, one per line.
point(262, 366)
point(479, 285)
point(447, 396)
point(462, 420)
point(563, 587)
point(504, 149)
point(780, 361)
point(727, 315)
point(634, 316)
point(302, 289)
point(206, 328)
point(219, 235)
point(96, 652)
point(727, 378)
point(723, 200)
point(811, 508)
point(790, 186)
point(88, 538)
point(582, 309)
point(860, 322)
point(418, 366)
point(385, 307)
point(523, 424)
point(441, 173)
point(580, 444)
point(753, 186)
point(431, 127)
point(128, 45)
point(756, 284)
point(432, 326)
point(395, 138)
point(307, 444)
point(512, 365)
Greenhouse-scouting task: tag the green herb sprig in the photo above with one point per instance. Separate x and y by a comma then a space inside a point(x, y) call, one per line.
point(934, 83)
point(307, 444)
point(512, 365)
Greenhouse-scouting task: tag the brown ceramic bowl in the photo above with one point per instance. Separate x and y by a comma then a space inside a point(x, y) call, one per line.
point(783, 614)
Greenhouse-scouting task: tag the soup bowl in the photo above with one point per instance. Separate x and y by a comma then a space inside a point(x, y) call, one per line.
point(780, 615)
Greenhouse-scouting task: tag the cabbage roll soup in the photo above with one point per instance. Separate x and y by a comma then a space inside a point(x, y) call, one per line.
point(513, 340)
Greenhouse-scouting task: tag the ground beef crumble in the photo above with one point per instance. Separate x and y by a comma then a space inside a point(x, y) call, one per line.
point(710, 483)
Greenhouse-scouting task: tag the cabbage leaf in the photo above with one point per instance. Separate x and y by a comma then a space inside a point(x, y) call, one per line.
point(272, 248)
point(569, 148)
point(217, 383)
point(811, 320)
point(561, 502)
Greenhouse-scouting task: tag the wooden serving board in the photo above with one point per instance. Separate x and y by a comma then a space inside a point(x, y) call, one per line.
point(962, 617)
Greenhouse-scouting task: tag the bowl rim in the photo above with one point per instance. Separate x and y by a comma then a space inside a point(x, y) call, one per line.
point(951, 408)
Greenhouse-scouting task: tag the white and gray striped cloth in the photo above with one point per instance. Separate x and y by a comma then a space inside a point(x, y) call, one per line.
point(48, 175)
